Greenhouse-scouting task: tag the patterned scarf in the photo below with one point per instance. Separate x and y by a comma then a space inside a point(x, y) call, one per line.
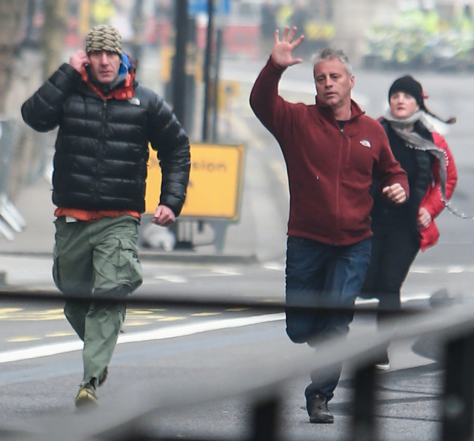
point(414, 141)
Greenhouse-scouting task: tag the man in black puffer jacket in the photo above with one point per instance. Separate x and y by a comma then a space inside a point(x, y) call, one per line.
point(106, 121)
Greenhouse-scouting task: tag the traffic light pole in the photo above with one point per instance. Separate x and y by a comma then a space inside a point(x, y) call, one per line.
point(207, 69)
point(179, 63)
point(179, 93)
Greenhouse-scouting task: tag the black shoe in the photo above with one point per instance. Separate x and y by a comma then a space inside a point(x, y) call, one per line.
point(383, 363)
point(318, 411)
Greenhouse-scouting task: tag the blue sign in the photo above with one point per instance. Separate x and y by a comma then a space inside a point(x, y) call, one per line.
point(200, 6)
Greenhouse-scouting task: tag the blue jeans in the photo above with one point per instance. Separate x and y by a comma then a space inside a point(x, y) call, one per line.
point(324, 275)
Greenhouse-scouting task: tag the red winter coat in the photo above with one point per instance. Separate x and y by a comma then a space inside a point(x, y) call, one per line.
point(433, 200)
point(329, 170)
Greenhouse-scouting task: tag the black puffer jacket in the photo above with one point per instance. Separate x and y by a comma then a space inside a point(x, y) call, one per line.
point(417, 164)
point(102, 151)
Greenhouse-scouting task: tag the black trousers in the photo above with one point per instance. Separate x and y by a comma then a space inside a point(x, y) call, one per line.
point(392, 255)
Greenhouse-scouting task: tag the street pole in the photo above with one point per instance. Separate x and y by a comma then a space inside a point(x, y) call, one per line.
point(137, 25)
point(11, 19)
point(54, 34)
point(179, 62)
point(215, 106)
point(179, 92)
point(207, 68)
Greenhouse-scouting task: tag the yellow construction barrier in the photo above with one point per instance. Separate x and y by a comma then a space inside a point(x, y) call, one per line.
point(215, 184)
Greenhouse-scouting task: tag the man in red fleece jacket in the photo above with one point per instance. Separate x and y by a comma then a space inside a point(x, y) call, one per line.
point(332, 152)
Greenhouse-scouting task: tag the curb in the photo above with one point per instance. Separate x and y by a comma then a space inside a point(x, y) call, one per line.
point(190, 257)
point(157, 256)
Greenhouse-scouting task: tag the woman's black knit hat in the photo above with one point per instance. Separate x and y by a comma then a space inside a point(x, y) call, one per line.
point(409, 85)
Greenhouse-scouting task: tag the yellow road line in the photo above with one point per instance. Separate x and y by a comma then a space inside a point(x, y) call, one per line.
point(60, 334)
point(22, 339)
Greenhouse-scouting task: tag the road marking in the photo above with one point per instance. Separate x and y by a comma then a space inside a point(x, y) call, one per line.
point(226, 272)
point(145, 316)
point(163, 333)
point(172, 279)
point(455, 269)
point(137, 323)
point(22, 339)
point(156, 334)
point(170, 319)
point(276, 266)
point(60, 334)
point(416, 296)
point(404, 298)
point(19, 314)
point(421, 270)
point(5, 312)
point(215, 272)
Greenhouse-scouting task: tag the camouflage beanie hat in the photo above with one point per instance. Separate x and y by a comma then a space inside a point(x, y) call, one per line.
point(104, 38)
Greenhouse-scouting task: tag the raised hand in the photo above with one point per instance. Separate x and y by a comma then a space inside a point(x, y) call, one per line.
point(282, 53)
point(79, 59)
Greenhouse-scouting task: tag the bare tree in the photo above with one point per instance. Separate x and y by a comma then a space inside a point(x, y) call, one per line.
point(12, 15)
point(54, 34)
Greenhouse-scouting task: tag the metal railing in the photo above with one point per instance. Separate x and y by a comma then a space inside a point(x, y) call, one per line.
point(120, 417)
point(11, 221)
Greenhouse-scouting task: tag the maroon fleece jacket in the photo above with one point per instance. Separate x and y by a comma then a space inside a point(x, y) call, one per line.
point(329, 170)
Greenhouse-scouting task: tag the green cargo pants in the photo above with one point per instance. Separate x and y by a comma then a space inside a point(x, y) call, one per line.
point(96, 258)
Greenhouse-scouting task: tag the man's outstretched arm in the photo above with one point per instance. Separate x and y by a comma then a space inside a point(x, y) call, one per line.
point(267, 105)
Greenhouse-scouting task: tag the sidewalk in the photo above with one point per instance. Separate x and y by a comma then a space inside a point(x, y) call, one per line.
point(37, 239)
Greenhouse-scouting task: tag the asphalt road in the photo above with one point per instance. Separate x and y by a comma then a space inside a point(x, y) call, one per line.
point(166, 349)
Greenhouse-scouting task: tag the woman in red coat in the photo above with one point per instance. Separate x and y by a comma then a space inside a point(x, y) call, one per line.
point(401, 231)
